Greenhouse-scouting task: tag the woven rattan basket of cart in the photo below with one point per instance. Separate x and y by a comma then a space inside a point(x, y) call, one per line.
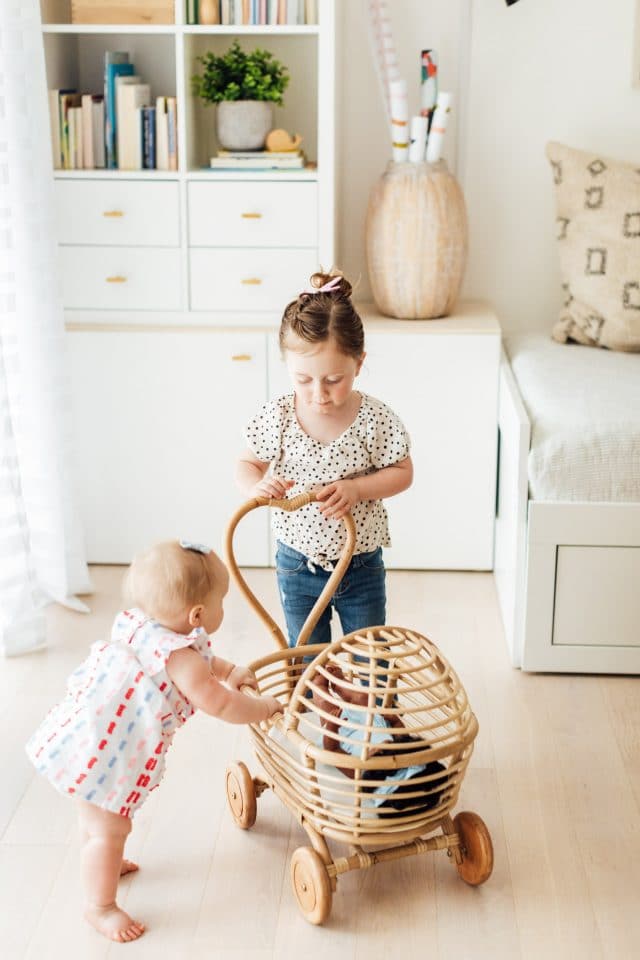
point(370, 749)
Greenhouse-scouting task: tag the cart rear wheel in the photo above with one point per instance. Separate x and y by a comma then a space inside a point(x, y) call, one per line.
point(311, 884)
point(477, 849)
point(241, 795)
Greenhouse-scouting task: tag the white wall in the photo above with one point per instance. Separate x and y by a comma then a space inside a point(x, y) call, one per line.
point(539, 70)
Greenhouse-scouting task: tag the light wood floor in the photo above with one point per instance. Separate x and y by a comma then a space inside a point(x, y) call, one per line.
point(555, 775)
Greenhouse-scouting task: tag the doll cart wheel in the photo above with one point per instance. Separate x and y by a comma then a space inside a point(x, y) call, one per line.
point(477, 848)
point(311, 884)
point(241, 795)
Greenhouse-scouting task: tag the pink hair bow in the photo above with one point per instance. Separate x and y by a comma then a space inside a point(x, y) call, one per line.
point(332, 284)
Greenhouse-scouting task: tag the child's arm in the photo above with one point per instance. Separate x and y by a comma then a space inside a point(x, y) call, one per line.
point(250, 476)
point(193, 677)
point(233, 675)
point(340, 496)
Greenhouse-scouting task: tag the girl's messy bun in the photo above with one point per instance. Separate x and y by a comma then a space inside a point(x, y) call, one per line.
point(319, 314)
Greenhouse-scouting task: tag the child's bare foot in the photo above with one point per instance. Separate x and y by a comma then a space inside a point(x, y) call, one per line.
point(128, 866)
point(114, 924)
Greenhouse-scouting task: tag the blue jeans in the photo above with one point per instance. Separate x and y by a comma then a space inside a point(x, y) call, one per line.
point(359, 601)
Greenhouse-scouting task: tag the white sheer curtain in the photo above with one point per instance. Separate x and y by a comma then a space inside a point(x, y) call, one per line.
point(41, 552)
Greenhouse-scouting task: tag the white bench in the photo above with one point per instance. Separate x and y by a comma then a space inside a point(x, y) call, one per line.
point(567, 552)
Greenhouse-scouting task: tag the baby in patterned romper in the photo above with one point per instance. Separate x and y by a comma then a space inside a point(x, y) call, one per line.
point(105, 744)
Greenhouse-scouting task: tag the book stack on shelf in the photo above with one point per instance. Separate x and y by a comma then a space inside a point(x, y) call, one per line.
point(120, 129)
point(252, 12)
point(258, 160)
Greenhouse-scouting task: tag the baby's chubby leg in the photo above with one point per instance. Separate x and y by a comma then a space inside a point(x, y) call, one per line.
point(103, 839)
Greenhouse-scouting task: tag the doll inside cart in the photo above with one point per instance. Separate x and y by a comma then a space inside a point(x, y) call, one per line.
point(370, 750)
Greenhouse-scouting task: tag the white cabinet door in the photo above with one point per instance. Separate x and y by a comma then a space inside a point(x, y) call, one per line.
point(158, 419)
point(445, 389)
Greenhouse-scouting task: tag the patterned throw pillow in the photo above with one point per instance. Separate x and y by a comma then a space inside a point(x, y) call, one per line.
point(598, 232)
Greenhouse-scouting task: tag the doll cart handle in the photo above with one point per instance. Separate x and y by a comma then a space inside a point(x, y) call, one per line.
point(294, 503)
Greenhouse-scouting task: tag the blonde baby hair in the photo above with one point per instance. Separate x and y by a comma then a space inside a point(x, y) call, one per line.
point(167, 579)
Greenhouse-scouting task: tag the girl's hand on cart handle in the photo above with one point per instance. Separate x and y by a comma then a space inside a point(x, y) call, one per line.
point(272, 487)
point(338, 498)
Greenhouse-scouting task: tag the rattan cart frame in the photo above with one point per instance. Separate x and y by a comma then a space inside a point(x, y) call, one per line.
point(400, 679)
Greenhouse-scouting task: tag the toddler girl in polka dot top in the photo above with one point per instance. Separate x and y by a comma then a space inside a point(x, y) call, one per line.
point(105, 743)
point(348, 447)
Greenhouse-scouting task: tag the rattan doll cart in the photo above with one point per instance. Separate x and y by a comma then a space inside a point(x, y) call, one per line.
point(370, 750)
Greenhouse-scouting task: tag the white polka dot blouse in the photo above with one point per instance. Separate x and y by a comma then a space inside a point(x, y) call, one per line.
point(377, 438)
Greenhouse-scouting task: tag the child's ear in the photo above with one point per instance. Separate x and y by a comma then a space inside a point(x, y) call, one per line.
point(195, 615)
point(360, 362)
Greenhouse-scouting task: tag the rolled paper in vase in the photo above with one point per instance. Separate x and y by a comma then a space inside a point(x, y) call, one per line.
point(438, 127)
point(418, 139)
point(399, 120)
point(416, 240)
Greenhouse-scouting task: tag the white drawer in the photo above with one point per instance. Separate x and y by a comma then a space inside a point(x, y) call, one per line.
point(127, 213)
point(244, 213)
point(120, 278)
point(251, 279)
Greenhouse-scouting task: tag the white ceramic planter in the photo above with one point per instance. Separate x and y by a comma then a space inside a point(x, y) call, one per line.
point(243, 124)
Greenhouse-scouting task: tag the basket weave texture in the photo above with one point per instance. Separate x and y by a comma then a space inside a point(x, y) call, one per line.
point(375, 736)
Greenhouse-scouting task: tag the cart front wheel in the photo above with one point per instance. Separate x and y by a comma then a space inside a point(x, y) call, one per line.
point(311, 884)
point(477, 849)
point(241, 795)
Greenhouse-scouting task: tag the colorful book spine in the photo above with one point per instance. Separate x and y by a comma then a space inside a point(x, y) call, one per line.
point(116, 64)
point(149, 138)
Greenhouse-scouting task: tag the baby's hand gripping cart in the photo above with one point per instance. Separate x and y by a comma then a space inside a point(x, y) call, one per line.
point(370, 750)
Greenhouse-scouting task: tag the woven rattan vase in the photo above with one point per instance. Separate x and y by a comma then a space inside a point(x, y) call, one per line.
point(416, 240)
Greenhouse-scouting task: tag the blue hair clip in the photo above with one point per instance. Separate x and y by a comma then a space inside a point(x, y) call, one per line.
point(196, 547)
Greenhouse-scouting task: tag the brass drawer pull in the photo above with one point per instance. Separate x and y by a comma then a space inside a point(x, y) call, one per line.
point(116, 279)
point(241, 356)
point(251, 216)
point(113, 213)
point(252, 281)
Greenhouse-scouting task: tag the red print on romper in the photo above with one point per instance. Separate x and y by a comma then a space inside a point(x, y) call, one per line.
point(121, 709)
point(150, 764)
point(111, 727)
point(102, 745)
point(133, 797)
point(93, 761)
point(138, 677)
point(129, 693)
point(143, 780)
point(158, 749)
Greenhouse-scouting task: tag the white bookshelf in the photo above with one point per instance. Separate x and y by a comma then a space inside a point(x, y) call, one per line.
point(167, 339)
point(165, 56)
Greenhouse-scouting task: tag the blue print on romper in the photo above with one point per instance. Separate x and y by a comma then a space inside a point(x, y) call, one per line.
point(111, 762)
point(101, 678)
point(91, 795)
point(139, 711)
point(131, 726)
point(54, 753)
point(102, 779)
point(122, 745)
point(66, 739)
point(148, 696)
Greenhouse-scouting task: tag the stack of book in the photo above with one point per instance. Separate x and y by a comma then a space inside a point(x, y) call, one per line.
point(121, 129)
point(254, 12)
point(77, 129)
point(258, 160)
point(139, 135)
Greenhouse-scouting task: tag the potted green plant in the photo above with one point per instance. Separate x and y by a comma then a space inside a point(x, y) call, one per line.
point(244, 85)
